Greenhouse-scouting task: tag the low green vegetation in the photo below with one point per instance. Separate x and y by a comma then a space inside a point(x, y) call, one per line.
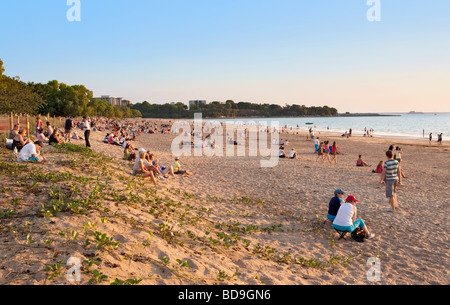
point(80, 209)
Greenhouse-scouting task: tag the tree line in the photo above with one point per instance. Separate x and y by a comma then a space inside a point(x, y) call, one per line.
point(60, 99)
point(230, 109)
point(55, 98)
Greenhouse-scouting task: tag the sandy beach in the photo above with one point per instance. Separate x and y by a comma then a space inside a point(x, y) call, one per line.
point(232, 222)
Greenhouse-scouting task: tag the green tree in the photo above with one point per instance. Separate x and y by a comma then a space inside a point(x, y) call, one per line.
point(16, 96)
point(1, 69)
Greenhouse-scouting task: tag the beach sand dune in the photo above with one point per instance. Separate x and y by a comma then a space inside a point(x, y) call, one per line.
point(244, 224)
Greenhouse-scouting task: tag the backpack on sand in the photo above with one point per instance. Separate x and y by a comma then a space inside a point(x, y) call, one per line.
point(359, 235)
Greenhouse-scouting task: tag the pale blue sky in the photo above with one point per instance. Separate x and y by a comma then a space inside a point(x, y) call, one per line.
point(321, 52)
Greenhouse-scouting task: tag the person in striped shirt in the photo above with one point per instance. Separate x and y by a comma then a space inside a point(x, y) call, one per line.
point(390, 176)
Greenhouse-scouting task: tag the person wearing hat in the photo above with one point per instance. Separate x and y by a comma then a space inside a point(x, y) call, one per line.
point(346, 218)
point(30, 153)
point(335, 204)
point(176, 166)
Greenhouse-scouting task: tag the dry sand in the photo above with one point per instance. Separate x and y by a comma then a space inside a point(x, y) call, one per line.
point(287, 239)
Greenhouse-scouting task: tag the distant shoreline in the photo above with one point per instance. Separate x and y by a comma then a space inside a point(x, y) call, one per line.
point(364, 114)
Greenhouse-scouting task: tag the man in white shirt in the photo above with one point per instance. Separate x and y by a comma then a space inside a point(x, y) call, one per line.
point(30, 153)
point(346, 218)
point(87, 131)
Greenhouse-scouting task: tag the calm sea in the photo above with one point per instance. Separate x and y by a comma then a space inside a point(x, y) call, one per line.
point(401, 125)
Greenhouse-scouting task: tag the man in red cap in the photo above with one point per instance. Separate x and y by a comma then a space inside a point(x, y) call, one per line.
point(346, 218)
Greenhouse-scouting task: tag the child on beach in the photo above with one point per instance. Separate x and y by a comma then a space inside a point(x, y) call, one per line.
point(177, 168)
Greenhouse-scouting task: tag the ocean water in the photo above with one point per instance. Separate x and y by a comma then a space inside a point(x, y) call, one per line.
point(411, 126)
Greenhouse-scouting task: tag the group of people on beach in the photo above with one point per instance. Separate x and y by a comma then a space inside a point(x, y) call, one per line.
point(439, 138)
point(147, 166)
point(343, 213)
point(324, 150)
point(29, 150)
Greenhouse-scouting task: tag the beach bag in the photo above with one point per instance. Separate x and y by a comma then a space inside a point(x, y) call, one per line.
point(359, 235)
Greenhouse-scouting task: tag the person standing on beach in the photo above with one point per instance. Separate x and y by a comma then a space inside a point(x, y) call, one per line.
point(431, 137)
point(316, 145)
point(439, 139)
point(334, 152)
point(390, 176)
point(68, 126)
point(87, 131)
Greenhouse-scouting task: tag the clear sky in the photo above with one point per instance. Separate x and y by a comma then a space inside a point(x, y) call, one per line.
point(311, 52)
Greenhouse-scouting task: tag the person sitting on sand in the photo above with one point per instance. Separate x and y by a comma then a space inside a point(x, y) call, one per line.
point(379, 168)
point(293, 154)
point(128, 153)
point(346, 218)
point(31, 153)
point(75, 136)
point(55, 137)
point(142, 167)
point(113, 140)
point(49, 131)
point(281, 152)
point(14, 132)
point(20, 140)
point(164, 170)
point(360, 162)
point(41, 137)
point(150, 159)
point(335, 204)
point(177, 168)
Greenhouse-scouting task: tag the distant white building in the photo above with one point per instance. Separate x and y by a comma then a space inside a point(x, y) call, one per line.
point(196, 103)
point(115, 101)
